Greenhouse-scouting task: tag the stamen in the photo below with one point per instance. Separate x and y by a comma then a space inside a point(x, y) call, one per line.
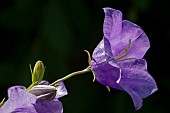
point(124, 52)
point(127, 59)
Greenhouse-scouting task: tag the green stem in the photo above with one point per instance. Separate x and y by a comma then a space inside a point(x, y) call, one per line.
point(88, 69)
point(33, 84)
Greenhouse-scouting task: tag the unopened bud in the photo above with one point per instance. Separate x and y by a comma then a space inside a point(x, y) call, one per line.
point(43, 91)
point(38, 72)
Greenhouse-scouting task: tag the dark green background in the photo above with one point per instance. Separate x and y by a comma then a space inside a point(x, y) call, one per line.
point(57, 32)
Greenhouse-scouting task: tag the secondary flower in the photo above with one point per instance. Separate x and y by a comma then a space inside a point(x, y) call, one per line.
point(40, 99)
point(118, 62)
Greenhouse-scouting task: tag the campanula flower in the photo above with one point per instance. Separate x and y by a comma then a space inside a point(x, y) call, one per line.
point(39, 99)
point(117, 61)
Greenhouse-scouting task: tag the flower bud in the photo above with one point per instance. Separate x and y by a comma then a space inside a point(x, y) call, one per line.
point(38, 72)
point(43, 91)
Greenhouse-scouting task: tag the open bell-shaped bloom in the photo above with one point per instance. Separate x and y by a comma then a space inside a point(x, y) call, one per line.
point(117, 61)
point(21, 101)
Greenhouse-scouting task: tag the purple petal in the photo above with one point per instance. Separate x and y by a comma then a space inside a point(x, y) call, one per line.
point(119, 33)
point(112, 22)
point(139, 41)
point(25, 109)
point(136, 81)
point(102, 52)
point(16, 96)
point(46, 106)
point(61, 90)
point(138, 47)
point(107, 74)
point(104, 66)
point(99, 53)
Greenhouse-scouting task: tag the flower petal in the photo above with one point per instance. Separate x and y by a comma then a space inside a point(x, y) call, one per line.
point(130, 32)
point(25, 109)
point(104, 66)
point(112, 22)
point(102, 52)
point(136, 81)
point(107, 74)
point(61, 90)
point(16, 96)
point(46, 106)
point(138, 47)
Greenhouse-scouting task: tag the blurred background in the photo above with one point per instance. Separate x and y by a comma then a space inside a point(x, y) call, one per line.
point(57, 32)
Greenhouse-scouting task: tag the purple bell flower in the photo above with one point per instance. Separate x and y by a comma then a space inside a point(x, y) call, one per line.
point(40, 99)
point(117, 61)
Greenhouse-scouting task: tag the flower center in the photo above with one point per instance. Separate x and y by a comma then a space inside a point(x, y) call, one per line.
point(119, 57)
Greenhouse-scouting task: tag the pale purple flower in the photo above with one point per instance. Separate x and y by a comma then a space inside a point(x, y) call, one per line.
point(118, 62)
point(21, 101)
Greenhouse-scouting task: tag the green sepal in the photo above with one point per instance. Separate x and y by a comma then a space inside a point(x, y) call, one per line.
point(108, 88)
point(89, 57)
point(2, 102)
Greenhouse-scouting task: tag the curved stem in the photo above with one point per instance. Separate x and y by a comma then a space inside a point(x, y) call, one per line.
point(88, 69)
point(33, 84)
